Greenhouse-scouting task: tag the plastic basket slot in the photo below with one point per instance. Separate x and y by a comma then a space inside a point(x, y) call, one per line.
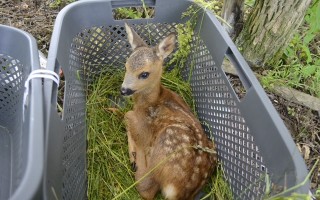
point(120, 13)
point(234, 80)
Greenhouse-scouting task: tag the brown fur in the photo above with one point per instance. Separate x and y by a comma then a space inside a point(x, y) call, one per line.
point(162, 127)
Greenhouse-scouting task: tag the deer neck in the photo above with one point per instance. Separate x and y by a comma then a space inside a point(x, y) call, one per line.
point(148, 97)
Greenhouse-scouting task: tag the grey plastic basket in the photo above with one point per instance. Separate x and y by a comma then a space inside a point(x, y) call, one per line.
point(21, 133)
point(251, 138)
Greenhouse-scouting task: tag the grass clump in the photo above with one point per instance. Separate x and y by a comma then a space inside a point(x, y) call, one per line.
point(299, 65)
point(109, 170)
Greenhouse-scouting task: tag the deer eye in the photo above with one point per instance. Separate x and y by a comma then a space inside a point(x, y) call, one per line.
point(143, 75)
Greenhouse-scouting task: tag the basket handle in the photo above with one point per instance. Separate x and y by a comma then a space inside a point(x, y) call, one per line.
point(132, 3)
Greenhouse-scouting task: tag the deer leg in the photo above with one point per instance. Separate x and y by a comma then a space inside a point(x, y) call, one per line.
point(132, 152)
point(131, 121)
point(147, 187)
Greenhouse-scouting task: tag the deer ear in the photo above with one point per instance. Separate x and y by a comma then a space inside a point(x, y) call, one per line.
point(166, 46)
point(134, 39)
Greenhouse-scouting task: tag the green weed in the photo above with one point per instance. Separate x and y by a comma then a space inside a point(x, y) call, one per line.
point(128, 13)
point(185, 33)
point(300, 64)
point(134, 12)
point(212, 5)
point(317, 195)
point(249, 3)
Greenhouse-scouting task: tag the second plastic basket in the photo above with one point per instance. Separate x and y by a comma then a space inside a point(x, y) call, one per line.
point(21, 123)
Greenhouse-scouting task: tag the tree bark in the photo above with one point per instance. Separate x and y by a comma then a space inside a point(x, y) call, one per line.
point(269, 28)
point(232, 12)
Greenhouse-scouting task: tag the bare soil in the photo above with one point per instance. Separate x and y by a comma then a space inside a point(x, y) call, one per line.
point(33, 16)
point(304, 126)
point(37, 18)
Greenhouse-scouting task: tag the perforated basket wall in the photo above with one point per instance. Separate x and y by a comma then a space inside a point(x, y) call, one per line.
point(17, 131)
point(217, 105)
point(12, 76)
point(251, 140)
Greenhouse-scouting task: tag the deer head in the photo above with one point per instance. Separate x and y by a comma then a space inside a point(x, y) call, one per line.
point(144, 66)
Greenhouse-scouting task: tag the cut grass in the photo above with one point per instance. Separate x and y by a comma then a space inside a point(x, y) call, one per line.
point(109, 170)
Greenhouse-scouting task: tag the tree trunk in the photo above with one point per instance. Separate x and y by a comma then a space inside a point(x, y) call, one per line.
point(269, 28)
point(232, 12)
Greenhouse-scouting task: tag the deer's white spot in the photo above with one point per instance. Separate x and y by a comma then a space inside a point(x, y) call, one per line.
point(186, 138)
point(168, 142)
point(181, 126)
point(186, 152)
point(168, 149)
point(174, 141)
point(169, 131)
point(198, 160)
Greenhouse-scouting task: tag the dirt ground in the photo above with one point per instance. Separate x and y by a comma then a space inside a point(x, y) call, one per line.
point(37, 18)
point(33, 16)
point(304, 125)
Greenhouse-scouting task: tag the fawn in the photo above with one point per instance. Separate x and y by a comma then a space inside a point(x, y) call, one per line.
point(161, 127)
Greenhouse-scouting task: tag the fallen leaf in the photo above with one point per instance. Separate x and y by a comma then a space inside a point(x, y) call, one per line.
point(306, 151)
point(113, 110)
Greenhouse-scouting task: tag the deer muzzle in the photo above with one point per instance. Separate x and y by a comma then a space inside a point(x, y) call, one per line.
point(126, 91)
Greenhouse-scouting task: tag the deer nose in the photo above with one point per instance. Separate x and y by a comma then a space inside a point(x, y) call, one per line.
point(126, 91)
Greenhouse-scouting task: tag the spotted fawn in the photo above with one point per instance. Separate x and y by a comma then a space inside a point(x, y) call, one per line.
point(162, 131)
